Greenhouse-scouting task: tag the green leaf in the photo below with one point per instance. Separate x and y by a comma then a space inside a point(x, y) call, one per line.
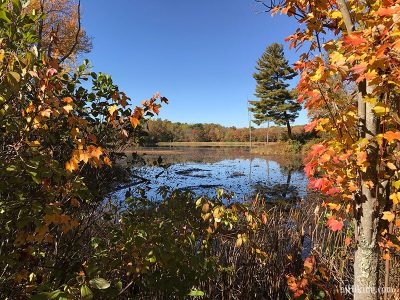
point(99, 283)
point(220, 193)
point(4, 17)
point(119, 285)
point(35, 177)
point(17, 6)
point(86, 293)
point(11, 168)
point(196, 293)
point(48, 296)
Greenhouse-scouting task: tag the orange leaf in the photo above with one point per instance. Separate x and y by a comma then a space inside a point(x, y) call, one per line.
point(71, 165)
point(107, 161)
point(390, 136)
point(134, 121)
point(68, 100)
point(95, 151)
point(75, 202)
point(156, 109)
point(388, 12)
point(354, 39)
point(264, 218)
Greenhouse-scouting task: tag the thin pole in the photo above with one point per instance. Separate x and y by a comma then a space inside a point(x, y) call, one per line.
point(249, 113)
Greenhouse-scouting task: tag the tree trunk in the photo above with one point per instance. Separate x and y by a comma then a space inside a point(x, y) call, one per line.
point(289, 129)
point(367, 255)
point(366, 260)
point(289, 178)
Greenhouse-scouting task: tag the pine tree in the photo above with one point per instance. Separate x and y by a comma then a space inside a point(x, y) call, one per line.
point(276, 103)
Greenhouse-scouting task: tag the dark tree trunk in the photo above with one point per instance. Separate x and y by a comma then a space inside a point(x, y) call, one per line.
point(289, 178)
point(289, 129)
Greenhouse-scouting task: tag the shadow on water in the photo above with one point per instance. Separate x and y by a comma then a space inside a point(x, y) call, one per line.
point(202, 170)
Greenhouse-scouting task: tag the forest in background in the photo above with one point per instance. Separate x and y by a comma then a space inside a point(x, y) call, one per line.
point(158, 130)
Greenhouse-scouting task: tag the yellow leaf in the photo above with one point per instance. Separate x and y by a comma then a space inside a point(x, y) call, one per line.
point(334, 206)
point(84, 156)
point(46, 113)
point(380, 109)
point(395, 197)
point(112, 109)
point(396, 184)
point(388, 215)
point(336, 14)
point(68, 108)
point(370, 100)
point(34, 143)
point(318, 74)
point(391, 166)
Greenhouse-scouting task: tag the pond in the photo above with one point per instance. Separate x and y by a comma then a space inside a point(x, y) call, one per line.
point(204, 169)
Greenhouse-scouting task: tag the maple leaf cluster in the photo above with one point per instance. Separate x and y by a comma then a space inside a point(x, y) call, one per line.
point(346, 59)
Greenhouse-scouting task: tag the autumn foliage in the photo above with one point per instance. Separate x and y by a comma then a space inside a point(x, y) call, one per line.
point(56, 135)
point(356, 167)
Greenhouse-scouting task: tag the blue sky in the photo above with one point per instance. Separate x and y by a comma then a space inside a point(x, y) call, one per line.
point(199, 54)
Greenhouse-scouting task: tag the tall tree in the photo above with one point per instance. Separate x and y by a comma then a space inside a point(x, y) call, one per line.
point(60, 30)
point(276, 103)
point(358, 166)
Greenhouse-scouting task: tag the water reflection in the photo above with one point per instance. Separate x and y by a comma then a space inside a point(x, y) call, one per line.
point(202, 170)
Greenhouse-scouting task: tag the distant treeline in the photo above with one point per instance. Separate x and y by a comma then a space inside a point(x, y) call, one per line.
point(167, 131)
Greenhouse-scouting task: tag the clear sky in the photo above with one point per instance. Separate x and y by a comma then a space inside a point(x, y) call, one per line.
point(199, 54)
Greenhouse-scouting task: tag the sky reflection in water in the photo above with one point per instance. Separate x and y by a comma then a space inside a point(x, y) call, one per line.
point(204, 170)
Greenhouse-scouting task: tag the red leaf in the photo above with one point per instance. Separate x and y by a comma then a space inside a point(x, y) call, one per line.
point(334, 224)
point(311, 126)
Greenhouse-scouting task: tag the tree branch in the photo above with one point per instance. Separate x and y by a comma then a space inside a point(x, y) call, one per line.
point(67, 55)
point(346, 15)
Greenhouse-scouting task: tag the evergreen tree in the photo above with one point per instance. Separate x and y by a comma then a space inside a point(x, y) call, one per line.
point(276, 103)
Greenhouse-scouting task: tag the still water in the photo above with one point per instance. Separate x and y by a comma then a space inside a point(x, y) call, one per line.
point(204, 169)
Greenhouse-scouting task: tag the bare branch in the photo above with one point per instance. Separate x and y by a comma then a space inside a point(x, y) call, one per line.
point(78, 32)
